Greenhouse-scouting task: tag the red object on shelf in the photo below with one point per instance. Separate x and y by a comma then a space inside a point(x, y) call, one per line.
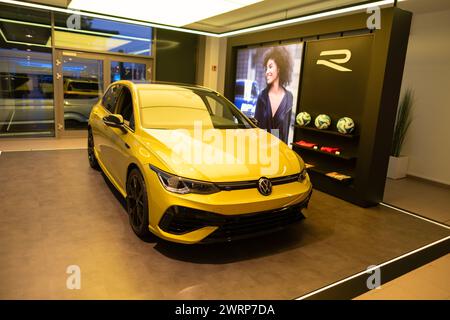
point(306, 144)
point(329, 149)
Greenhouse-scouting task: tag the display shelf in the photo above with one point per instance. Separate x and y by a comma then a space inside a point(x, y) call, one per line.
point(340, 156)
point(329, 132)
point(323, 172)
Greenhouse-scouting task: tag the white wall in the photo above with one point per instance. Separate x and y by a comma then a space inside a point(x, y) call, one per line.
point(427, 72)
point(215, 55)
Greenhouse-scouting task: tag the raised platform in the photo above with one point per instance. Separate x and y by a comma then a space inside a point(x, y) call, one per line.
point(56, 212)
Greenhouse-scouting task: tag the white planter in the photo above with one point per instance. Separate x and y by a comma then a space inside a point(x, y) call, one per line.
point(397, 167)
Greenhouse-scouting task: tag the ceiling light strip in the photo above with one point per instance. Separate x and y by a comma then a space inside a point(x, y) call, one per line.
point(178, 13)
point(210, 34)
point(308, 17)
point(103, 34)
point(75, 30)
point(26, 23)
point(22, 43)
point(105, 17)
point(140, 52)
point(3, 35)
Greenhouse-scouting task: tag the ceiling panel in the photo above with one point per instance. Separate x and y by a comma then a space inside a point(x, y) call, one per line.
point(55, 3)
point(275, 10)
point(266, 12)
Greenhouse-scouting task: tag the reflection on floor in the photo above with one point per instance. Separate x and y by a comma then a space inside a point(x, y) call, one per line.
point(32, 144)
point(429, 282)
point(425, 198)
point(57, 212)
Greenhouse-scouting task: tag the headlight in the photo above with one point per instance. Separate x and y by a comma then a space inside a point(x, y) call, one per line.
point(181, 185)
point(302, 175)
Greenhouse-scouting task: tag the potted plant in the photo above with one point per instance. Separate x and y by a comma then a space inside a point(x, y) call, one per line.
point(398, 163)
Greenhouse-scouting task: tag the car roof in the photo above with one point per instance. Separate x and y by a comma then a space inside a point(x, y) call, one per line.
point(158, 85)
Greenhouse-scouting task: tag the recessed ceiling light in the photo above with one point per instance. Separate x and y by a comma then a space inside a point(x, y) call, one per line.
point(28, 36)
point(170, 12)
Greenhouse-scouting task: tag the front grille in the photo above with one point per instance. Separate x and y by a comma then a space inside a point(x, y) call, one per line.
point(228, 186)
point(238, 227)
point(180, 220)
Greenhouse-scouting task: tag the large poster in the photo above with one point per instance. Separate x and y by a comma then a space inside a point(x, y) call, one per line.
point(266, 88)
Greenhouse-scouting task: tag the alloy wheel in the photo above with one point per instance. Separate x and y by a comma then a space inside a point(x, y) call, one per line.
point(136, 202)
point(91, 154)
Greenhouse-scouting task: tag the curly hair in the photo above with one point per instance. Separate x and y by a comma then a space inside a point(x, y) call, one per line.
point(284, 62)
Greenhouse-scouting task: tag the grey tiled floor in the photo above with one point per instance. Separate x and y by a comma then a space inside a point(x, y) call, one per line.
point(431, 281)
point(56, 212)
point(427, 199)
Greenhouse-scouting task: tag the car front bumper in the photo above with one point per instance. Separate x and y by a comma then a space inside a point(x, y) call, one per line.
point(225, 215)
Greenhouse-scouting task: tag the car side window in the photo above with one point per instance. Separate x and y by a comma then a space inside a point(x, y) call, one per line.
point(125, 107)
point(110, 98)
point(218, 110)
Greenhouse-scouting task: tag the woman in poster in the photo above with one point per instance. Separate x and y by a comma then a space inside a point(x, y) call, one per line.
point(274, 105)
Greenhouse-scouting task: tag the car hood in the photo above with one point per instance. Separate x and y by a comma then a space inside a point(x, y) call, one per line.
point(221, 155)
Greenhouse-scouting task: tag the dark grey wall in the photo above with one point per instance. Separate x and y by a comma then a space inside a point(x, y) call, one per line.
point(176, 56)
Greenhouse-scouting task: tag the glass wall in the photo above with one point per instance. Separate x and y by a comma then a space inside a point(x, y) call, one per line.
point(83, 86)
point(28, 104)
point(87, 33)
point(127, 71)
point(26, 76)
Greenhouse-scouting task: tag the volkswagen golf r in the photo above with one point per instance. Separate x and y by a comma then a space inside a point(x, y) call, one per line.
point(191, 166)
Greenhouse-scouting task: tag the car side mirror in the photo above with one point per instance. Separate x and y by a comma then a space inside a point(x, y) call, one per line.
point(255, 122)
point(114, 121)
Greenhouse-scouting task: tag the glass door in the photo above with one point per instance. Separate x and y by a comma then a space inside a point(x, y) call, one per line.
point(81, 83)
point(81, 79)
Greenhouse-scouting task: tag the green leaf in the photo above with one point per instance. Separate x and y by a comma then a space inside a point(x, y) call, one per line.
point(402, 123)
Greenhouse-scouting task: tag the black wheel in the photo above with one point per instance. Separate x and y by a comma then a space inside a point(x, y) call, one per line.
point(91, 154)
point(137, 204)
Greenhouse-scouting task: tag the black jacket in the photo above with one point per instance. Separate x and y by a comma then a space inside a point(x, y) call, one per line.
point(281, 119)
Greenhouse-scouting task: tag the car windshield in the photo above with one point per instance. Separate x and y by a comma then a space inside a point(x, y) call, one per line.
point(184, 108)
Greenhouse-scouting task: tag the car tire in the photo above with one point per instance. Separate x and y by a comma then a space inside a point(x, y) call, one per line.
point(91, 154)
point(137, 204)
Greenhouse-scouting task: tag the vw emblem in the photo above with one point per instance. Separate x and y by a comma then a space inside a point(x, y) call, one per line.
point(264, 186)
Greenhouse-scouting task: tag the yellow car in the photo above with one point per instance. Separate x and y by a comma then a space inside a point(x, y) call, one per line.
point(191, 166)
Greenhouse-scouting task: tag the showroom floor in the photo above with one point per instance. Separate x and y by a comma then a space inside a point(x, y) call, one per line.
point(429, 199)
point(58, 212)
point(431, 281)
point(34, 144)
